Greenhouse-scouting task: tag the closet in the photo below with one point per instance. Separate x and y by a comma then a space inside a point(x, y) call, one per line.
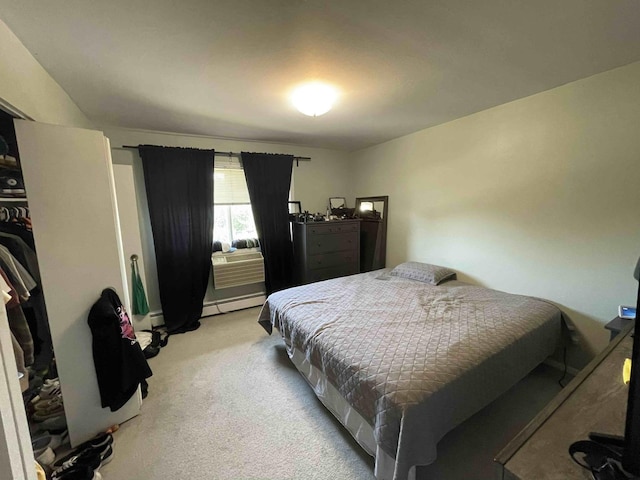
point(71, 202)
point(20, 275)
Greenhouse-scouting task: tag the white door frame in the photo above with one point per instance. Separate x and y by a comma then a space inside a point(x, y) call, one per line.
point(16, 454)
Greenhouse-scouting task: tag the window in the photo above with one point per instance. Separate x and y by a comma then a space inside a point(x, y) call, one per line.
point(232, 215)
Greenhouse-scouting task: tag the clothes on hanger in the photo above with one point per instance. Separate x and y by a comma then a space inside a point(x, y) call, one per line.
point(19, 230)
point(21, 279)
point(10, 299)
point(17, 280)
point(119, 362)
point(19, 259)
point(22, 252)
point(8, 292)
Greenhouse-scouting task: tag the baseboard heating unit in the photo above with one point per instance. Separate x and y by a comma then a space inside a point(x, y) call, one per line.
point(236, 269)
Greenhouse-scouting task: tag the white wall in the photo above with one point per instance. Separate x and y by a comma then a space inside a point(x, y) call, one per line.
point(326, 175)
point(130, 230)
point(29, 89)
point(539, 196)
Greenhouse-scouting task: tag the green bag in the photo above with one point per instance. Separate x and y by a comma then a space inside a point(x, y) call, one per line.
point(140, 305)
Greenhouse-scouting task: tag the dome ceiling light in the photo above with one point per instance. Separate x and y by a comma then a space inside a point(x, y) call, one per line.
point(314, 99)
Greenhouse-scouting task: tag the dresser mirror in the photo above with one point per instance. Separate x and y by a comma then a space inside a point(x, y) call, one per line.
point(373, 213)
point(337, 202)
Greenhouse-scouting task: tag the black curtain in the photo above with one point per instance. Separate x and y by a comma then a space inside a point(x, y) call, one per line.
point(179, 184)
point(268, 181)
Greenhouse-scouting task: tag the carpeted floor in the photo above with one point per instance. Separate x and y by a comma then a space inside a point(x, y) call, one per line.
point(226, 403)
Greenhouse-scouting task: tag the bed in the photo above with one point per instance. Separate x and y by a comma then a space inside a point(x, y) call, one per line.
point(401, 362)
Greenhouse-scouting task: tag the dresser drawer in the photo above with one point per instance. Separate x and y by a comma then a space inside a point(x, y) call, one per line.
point(331, 227)
point(338, 242)
point(332, 272)
point(326, 260)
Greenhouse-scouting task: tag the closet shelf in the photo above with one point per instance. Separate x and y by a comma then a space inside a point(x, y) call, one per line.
point(13, 199)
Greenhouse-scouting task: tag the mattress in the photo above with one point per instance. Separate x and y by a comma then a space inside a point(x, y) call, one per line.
point(413, 360)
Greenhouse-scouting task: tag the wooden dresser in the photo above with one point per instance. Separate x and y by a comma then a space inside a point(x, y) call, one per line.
point(594, 401)
point(324, 250)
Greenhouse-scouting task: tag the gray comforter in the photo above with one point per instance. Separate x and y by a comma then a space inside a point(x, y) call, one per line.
point(413, 359)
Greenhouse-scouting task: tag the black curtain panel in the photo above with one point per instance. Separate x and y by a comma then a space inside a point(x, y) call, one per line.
point(268, 181)
point(179, 184)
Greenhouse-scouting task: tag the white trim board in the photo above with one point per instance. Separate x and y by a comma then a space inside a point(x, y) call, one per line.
point(16, 454)
point(216, 308)
point(560, 366)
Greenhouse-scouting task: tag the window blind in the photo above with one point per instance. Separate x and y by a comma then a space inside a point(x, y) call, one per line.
point(230, 186)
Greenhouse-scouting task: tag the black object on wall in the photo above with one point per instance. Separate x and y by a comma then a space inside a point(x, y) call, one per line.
point(179, 185)
point(268, 181)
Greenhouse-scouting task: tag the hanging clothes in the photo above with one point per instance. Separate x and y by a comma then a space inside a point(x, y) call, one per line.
point(119, 362)
point(10, 299)
point(20, 231)
point(19, 242)
point(22, 252)
point(20, 328)
point(17, 321)
point(9, 294)
point(22, 281)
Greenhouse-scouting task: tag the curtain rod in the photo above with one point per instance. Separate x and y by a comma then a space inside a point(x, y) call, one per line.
point(217, 154)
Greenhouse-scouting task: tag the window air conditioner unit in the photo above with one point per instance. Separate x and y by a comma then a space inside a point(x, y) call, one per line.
point(237, 268)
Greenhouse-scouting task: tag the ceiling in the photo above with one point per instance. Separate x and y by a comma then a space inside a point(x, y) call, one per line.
point(225, 68)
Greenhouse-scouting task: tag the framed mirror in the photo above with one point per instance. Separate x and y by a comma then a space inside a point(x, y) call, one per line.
point(373, 213)
point(337, 202)
point(295, 207)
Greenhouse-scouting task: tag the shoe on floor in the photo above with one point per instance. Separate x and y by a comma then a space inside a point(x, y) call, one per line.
point(107, 455)
point(55, 424)
point(48, 391)
point(79, 472)
point(45, 457)
point(100, 440)
point(40, 443)
point(48, 413)
point(89, 458)
point(49, 404)
point(86, 454)
point(48, 439)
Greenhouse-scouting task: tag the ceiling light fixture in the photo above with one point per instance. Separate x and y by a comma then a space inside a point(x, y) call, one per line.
point(314, 99)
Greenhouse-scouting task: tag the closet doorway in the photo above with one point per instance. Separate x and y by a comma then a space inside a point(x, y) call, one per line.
point(70, 195)
point(33, 351)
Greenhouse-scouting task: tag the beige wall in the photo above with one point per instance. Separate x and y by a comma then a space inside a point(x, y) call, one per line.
point(28, 89)
point(539, 196)
point(314, 181)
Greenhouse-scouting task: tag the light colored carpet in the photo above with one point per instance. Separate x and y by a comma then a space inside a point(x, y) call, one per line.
point(226, 403)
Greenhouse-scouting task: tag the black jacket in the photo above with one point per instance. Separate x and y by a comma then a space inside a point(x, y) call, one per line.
point(119, 361)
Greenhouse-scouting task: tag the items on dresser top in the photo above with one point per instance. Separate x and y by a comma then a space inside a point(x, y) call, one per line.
point(324, 250)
